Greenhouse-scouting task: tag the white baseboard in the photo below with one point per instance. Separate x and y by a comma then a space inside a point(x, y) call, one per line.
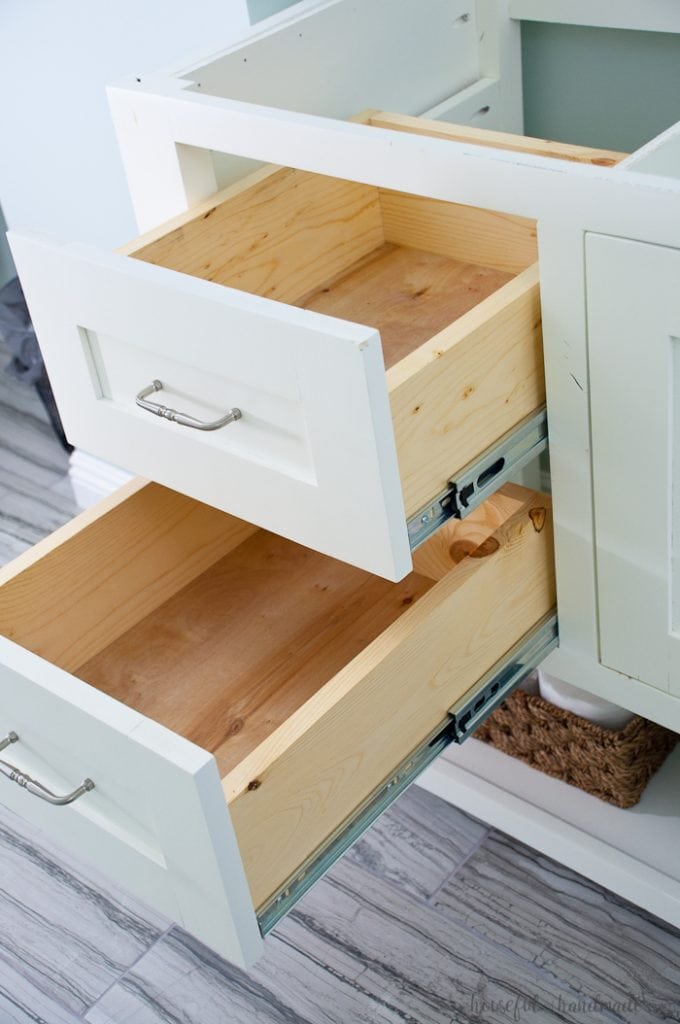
point(92, 479)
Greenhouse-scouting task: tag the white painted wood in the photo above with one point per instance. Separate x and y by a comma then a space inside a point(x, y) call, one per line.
point(641, 15)
point(582, 668)
point(632, 852)
point(313, 457)
point(156, 822)
point(604, 199)
point(563, 299)
point(164, 175)
point(357, 56)
point(634, 339)
point(478, 105)
point(563, 303)
point(500, 57)
point(661, 156)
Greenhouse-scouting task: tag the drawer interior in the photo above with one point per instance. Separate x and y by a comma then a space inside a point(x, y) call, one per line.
point(453, 291)
point(236, 634)
point(240, 640)
point(227, 659)
point(406, 265)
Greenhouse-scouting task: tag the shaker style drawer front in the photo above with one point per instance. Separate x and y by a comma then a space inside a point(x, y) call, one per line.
point(235, 697)
point(310, 451)
point(155, 820)
point(272, 401)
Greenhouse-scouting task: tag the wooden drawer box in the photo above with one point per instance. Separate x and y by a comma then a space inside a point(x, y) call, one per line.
point(257, 300)
point(234, 696)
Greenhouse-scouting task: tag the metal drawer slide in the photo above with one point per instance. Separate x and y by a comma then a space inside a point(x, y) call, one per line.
point(463, 718)
point(481, 478)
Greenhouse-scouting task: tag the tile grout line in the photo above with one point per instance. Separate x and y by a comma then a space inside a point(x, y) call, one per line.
point(128, 970)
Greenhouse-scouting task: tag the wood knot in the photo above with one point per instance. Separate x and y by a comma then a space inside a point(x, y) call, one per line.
point(235, 726)
point(537, 517)
point(255, 784)
point(466, 548)
point(408, 599)
point(486, 548)
point(469, 390)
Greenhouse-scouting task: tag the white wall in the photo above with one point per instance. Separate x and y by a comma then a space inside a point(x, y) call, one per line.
point(59, 167)
point(6, 265)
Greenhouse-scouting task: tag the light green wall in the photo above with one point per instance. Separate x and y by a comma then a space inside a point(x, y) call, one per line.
point(259, 9)
point(599, 87)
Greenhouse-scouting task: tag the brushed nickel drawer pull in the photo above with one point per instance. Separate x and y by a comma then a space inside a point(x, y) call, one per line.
point(182, 418)
point(35, 787)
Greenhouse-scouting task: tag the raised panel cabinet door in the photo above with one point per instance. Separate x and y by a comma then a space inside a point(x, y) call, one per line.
point(634, 353)
point(311, 455)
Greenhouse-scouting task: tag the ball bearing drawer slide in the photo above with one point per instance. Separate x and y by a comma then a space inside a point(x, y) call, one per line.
point(462, 720)
point(481, 478)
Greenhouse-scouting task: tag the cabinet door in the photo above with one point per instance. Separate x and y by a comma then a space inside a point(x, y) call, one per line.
point(634, 351)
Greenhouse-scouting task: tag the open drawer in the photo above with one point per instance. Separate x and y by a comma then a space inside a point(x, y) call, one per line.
point(256, 301)
point(236, 698)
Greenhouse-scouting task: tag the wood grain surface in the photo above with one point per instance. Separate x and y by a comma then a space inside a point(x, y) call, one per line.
point(278, 233)
point(229, 658)
point(84, 585)
point(471, 383)
point(310, 774)
point(408, 294)
point(497, 140)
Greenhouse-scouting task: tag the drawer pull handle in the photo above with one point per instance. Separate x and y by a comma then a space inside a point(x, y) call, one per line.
point(182, 418)
point(35, 787)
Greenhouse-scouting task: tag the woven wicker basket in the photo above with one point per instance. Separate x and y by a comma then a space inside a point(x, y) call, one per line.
point(614, 766)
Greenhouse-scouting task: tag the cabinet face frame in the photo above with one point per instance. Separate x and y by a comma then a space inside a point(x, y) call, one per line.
point(165, 131)
point(567, 199)
point(565, 290)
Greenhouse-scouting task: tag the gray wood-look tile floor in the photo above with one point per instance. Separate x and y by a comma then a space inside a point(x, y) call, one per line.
point(432, 918)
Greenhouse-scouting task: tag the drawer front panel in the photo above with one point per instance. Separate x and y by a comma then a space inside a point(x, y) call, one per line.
point(156, 820)
point(312, 456)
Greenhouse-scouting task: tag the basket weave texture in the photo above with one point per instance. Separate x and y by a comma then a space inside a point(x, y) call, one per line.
point(612, 765)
